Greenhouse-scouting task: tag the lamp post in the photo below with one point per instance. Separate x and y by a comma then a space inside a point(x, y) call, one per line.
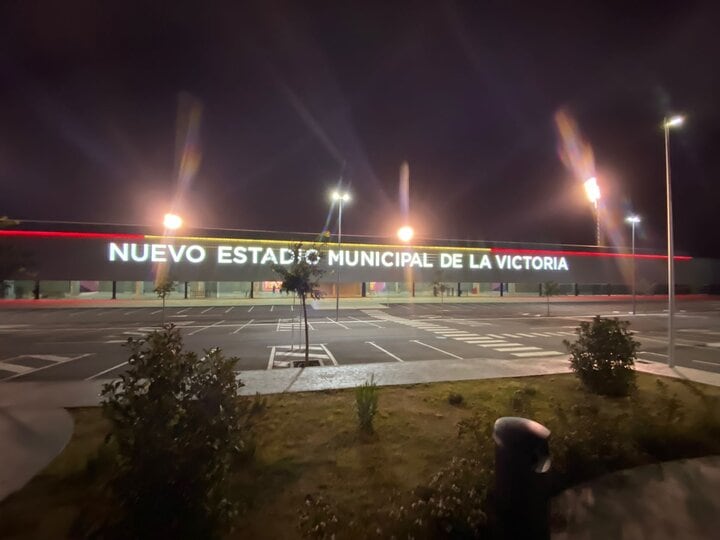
point(592, 190)
point(340, 199)
point(673, 121)
point(633, 220)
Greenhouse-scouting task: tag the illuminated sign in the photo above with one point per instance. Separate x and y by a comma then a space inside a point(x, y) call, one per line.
point(257, 255)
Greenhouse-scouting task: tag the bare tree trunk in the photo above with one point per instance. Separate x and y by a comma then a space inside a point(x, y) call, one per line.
point(163, 312)
point(548, 305)
point(307, 335)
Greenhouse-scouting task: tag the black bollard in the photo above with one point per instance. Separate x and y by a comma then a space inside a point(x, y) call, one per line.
point(522, 459)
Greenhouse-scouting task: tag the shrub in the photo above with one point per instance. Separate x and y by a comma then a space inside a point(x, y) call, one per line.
point(366, 404)
point(455, 399)
point(177, 428)
point(603, 356)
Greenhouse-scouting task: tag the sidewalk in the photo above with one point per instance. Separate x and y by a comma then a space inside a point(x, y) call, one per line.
point(34, 427)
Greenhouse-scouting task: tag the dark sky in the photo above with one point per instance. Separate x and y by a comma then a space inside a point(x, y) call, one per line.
point(296, 94)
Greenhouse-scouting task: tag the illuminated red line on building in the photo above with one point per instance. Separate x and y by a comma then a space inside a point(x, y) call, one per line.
point(540, 252)
point(63, 234)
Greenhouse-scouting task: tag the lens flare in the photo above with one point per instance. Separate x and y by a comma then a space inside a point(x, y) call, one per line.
point(575, 153)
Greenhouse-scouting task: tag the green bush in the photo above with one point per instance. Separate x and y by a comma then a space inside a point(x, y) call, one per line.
point(177, 429)
point(603, 356)
point(366, 404)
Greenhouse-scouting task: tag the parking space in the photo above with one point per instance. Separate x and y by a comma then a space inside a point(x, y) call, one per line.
point(80, 343)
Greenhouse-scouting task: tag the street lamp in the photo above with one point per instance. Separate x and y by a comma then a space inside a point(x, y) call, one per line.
point(672, 122)
point(633, 220)
point(405, 233)
point(340, 199)
point(172, 221)
point(592, 190)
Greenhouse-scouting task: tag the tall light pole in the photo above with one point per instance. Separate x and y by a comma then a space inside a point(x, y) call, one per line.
point(673, 121)
point(340, 199)
point(633, 220)
point(592, 190)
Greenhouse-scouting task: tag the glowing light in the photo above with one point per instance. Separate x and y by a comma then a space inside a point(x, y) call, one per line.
point(337, 196)
point(172, 222)
point(633, 219)
point(575, 153)
point(405, 233)
point(675, 121)
point(592, 189)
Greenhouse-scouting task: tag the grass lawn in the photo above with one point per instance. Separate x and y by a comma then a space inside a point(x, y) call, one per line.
point(308, 444)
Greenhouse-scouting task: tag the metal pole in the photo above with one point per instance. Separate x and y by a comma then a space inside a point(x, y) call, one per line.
point(337, 284)
point(633, 265)
point(671, 251)
point(597, 224)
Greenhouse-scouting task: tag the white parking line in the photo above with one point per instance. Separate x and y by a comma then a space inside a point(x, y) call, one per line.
point(366, 322)
point(127, 313)
point(525, 335)
point(467, 338)
point(498, 344)
point(272, 307)
point(271, 359)
point(330, 355)
point(336, 322)
point(707, 363)
point(386, 352)
point(537, 354)
point(205, 310)
point(251, 308)
point(483, 340)
point(204, 328)
point(436, 349)
point(243, 326)
point(183, 310)
point(156, 312)
point(103, 372)
point(517, 349)
point(496, 336)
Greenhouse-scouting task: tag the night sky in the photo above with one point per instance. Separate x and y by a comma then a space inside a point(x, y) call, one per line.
point(295, 95)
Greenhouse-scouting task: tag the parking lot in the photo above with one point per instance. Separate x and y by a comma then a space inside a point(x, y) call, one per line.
point(82, 343)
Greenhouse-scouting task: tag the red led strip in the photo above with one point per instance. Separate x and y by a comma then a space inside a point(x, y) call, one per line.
point(61, 234)
point(540, 252)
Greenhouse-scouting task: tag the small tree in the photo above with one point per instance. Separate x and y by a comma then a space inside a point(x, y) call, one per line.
point(177, 427)
point(439, 285)
point(163, 287)
point(603, 356)
point(550, 288)
point(302, 277)
point(366, 404)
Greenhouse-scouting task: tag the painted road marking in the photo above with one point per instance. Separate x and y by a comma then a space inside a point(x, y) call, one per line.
point(272, 307)
point(127, 313)
point(183, 310)
point(54, 359)
point(251, 308)
point(205, 310)
point(517, 349)
point(204, 328)
point(713, 344)
point(228, 310)
point(391, 355)
point(103, 372)
point(366, 322)
point(468, 337)
point(336, 322)
point(243, 326)
point(496, 336)
point(116, 341)
point(537, 354)
point(706, 363)
point(330, 355)
point(525, 335)
point(297, 355)
point(493, 345)
point(483, 340)
point(156, 312)
point(436, 349)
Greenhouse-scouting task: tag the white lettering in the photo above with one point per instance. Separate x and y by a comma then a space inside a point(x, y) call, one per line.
point(368, 258)
point(457, 260)
point(352, 261)
point(254, 251)
point(517, 262)
point(485, 262)
point(426, 262)
point(269, 256)
point(157, 253)
point(176, 256)
point(549, 263)
point(445, 260)
point(224, 254)
point(562, 265)
point(335, 258)
point(416, 260)
point(121, 253)
point(134, 253)
point(200, 254)
point(383, 258)
point(501, 261)
point(405, 258)
point(312, 256)
point(240, 255)
point(537, 263)
point(286, 256)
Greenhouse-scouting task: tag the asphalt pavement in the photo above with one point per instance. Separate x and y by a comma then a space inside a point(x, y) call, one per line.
point(86, 343)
